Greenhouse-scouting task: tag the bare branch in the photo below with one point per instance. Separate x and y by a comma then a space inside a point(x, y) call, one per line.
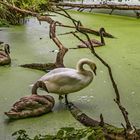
point(117, 100)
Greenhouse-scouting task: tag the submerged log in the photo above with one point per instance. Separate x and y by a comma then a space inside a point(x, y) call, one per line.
point(31, 106)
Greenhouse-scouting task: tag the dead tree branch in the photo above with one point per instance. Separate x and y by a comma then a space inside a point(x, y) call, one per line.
point(110, 132)
point(62, 49)
point(98, 6)
point(117, 100)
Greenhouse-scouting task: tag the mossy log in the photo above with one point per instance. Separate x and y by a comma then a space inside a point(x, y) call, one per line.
point(110, 132)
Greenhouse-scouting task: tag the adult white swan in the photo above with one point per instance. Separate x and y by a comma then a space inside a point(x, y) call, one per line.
point(63, 81)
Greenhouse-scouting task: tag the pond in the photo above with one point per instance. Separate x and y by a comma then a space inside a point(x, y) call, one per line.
point(121, 53)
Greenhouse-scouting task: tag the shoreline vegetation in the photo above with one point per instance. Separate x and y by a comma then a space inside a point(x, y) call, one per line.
point(11, 17)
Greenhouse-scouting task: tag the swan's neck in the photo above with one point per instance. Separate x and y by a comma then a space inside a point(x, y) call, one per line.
point(80, 66)
point(34, 88)
point(39, 84)
point(102, 38)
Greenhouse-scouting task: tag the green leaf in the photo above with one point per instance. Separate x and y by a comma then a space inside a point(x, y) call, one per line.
point(68, 129)
point(60, 133)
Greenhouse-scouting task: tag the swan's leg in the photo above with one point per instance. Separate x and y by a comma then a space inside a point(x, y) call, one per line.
point(66, 100)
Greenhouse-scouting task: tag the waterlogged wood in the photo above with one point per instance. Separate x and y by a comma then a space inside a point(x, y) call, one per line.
point(99, 6)
point(110, 132)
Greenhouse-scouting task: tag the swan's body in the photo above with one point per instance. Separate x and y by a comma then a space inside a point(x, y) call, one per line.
point(4, 55)
point(95, 43)
point(63, 81)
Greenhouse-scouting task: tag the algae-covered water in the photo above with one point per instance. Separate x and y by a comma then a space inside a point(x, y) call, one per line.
point(31, 43)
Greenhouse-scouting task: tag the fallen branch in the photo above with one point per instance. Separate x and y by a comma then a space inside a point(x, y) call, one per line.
point(110, 132)
point(98, 6)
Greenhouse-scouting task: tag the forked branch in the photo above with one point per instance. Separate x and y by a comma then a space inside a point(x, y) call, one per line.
point(117, 100)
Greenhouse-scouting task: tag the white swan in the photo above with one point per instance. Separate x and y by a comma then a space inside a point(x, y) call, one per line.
point(63, 81)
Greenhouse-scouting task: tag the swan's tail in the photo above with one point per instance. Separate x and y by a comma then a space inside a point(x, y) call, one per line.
point(39, 84)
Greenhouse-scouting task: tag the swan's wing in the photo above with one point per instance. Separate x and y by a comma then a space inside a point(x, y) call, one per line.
point(94, 41)
point(56, 71)
point(2, 54)
point(64, 78)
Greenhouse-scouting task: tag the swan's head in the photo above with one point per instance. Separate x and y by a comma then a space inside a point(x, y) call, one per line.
point(42, 85)
point(93, 67)
point(102, 30)
point(87, 61)
point(39, 84)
